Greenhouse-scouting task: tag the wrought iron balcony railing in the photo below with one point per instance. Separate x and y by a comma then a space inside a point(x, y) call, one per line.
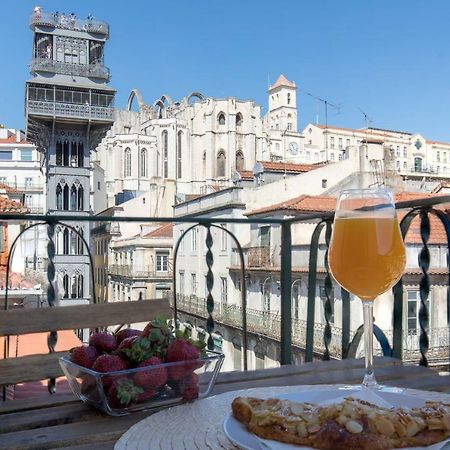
point(323, 335)
point(139, 272)
point(259, 257)
point(86, 70)
point(57, 109)
point(69, 22)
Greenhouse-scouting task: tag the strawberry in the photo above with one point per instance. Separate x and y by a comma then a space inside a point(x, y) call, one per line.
point(84, 355)
point(159, 334)
point(109, 363)
point(126, 333)
point(153, 378)
point(136, 349)
point(126, 343)
point(182, 350)
point(188, 387)
point(146, 395)
point(122, 392)
point(89, 387)
point(103, 342)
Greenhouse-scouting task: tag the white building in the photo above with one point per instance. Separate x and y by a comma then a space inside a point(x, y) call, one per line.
point(20, 168)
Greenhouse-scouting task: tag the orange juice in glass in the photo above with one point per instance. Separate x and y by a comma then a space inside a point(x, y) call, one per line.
point(367, 254)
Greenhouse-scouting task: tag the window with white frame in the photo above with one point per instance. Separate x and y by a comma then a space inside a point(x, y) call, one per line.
point(413, 299)
point(340, 143)
point(224, 237)
point(331, 156)
point(162, 261)
point(405, 152)
point(194, 283)
point(26, 155)
point(332, 141)
point(194, 236)
point(438, 156)
point(397, 153)
point(347, 143)
point(223, 290)
point(181, 281)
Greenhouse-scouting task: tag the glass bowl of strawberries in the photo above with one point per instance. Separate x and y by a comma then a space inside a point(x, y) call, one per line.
point(132, 370)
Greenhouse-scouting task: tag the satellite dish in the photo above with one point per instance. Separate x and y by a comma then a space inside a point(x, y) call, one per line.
point(236, 177)
point(258, 169)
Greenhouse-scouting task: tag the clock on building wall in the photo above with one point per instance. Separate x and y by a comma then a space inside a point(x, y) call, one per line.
point(293, 148)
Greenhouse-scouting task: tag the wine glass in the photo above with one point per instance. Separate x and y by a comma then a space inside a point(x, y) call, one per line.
point(367, 254)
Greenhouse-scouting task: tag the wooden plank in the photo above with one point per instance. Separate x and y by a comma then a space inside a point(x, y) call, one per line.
point(22, 321)
point(57, 415)
point(36, 403)
point(30, 368)
point(100, 430)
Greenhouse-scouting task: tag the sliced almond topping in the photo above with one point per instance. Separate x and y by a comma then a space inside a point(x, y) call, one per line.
point(354, 427)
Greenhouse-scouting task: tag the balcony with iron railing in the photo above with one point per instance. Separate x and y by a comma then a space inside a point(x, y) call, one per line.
point(70, 110)
point(131, 271)
point(65, 68)
point(322, 335)
point(56, 20)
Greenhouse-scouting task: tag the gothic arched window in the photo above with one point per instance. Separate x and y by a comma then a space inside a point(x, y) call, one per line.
point(221, 118)
point(73, 286)
point(66, 286)
point(66, 241)
point(80, 154)
point(158, 162)
point(74, 154)
point(238, 119)
point(165, 147)
point(179, 153)
point(80, 198)
point(73, 242)
point(59, 197)
point(66, 153)
point(239, 160)
point(127, 163)
point(66, 198)
point(221, 163)
point(73, 198)
point(80, 285)
point(80, 249)
point(59, 153)
point(144, 163)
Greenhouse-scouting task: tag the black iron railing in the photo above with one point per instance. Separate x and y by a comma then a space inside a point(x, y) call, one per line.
point(330, 333)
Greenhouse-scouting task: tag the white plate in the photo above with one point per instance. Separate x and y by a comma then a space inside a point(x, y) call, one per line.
point(238, 434)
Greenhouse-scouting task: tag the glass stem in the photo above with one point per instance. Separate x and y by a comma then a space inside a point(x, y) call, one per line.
point(369, 378)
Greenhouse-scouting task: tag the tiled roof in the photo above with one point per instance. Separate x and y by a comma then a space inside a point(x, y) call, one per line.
point(282, 81)
point(371, 140)
point(8, 189)
point(165, 230)
point(16, 280)
point(271, 166)
point(438, 143)
point(301, 204)
point(246, 174)
point(313, 204)
point(12, 140)
point(7, 205)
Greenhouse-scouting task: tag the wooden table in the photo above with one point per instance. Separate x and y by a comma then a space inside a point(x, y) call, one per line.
point(61, 421)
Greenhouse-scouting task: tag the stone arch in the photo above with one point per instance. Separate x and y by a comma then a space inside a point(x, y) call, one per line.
point(192, 95)
point(135, 94)
point(166, 98)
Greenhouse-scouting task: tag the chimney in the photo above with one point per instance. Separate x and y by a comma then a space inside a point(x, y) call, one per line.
point(17, 135)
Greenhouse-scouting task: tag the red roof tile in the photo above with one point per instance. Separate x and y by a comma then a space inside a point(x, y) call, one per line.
point(246, 174)
point(11, 139)
point(16, 280)
point(8, 189)
point(316, 204)
point(7, 205)
point(282, 81)
point(166, 230)
point(271, 166)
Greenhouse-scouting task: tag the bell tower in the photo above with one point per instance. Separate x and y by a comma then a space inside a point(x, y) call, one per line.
point(282, 113)
point(69, 108)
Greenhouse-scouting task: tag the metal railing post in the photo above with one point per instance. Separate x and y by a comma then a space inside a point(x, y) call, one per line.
point(285, 290)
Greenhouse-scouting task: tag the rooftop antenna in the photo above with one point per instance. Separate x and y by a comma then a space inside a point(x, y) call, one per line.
point(327, 103)
point(367, 119)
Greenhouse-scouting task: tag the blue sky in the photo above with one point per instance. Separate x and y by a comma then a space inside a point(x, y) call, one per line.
point(389, 58)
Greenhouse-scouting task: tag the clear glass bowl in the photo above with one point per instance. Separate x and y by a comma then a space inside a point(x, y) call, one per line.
point(184, 381)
